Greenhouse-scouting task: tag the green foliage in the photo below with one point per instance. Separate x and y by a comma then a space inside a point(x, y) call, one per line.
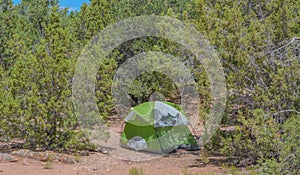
point(48, 165)
point(288, 161)
point(257, 137)
point(37, 105)
point(8, 19)
point(258, 46)
point(136, 171)
point(105, 100)
point(148, 83)
point(257, 42)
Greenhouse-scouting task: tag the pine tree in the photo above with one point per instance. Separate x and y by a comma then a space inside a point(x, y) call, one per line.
point(246, 35)
point(43, 88)
point(37, 13)
point(8, 21)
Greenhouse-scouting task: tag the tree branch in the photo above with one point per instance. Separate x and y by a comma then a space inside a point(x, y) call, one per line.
point(292, 40)
point(291, 110)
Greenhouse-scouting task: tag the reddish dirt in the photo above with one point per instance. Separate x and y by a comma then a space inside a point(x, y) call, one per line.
point(100, 164)
point(104, 164)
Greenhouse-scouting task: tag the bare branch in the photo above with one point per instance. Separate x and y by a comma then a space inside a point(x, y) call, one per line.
point(291, 110)
point(284, 46)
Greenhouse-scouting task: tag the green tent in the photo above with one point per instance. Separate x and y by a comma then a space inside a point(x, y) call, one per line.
point(157, 127)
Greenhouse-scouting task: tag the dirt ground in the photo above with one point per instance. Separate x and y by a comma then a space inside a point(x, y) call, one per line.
point(113, 161)
point(98, 163)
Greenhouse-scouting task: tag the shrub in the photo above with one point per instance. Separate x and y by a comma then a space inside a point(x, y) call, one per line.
point(288, 161)
point(136, 171)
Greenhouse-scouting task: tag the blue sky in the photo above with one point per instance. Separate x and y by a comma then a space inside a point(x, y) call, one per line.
point(73, 4)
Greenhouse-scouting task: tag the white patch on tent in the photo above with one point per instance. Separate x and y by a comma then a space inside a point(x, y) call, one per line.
point(165, 115)
point(137, 143)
